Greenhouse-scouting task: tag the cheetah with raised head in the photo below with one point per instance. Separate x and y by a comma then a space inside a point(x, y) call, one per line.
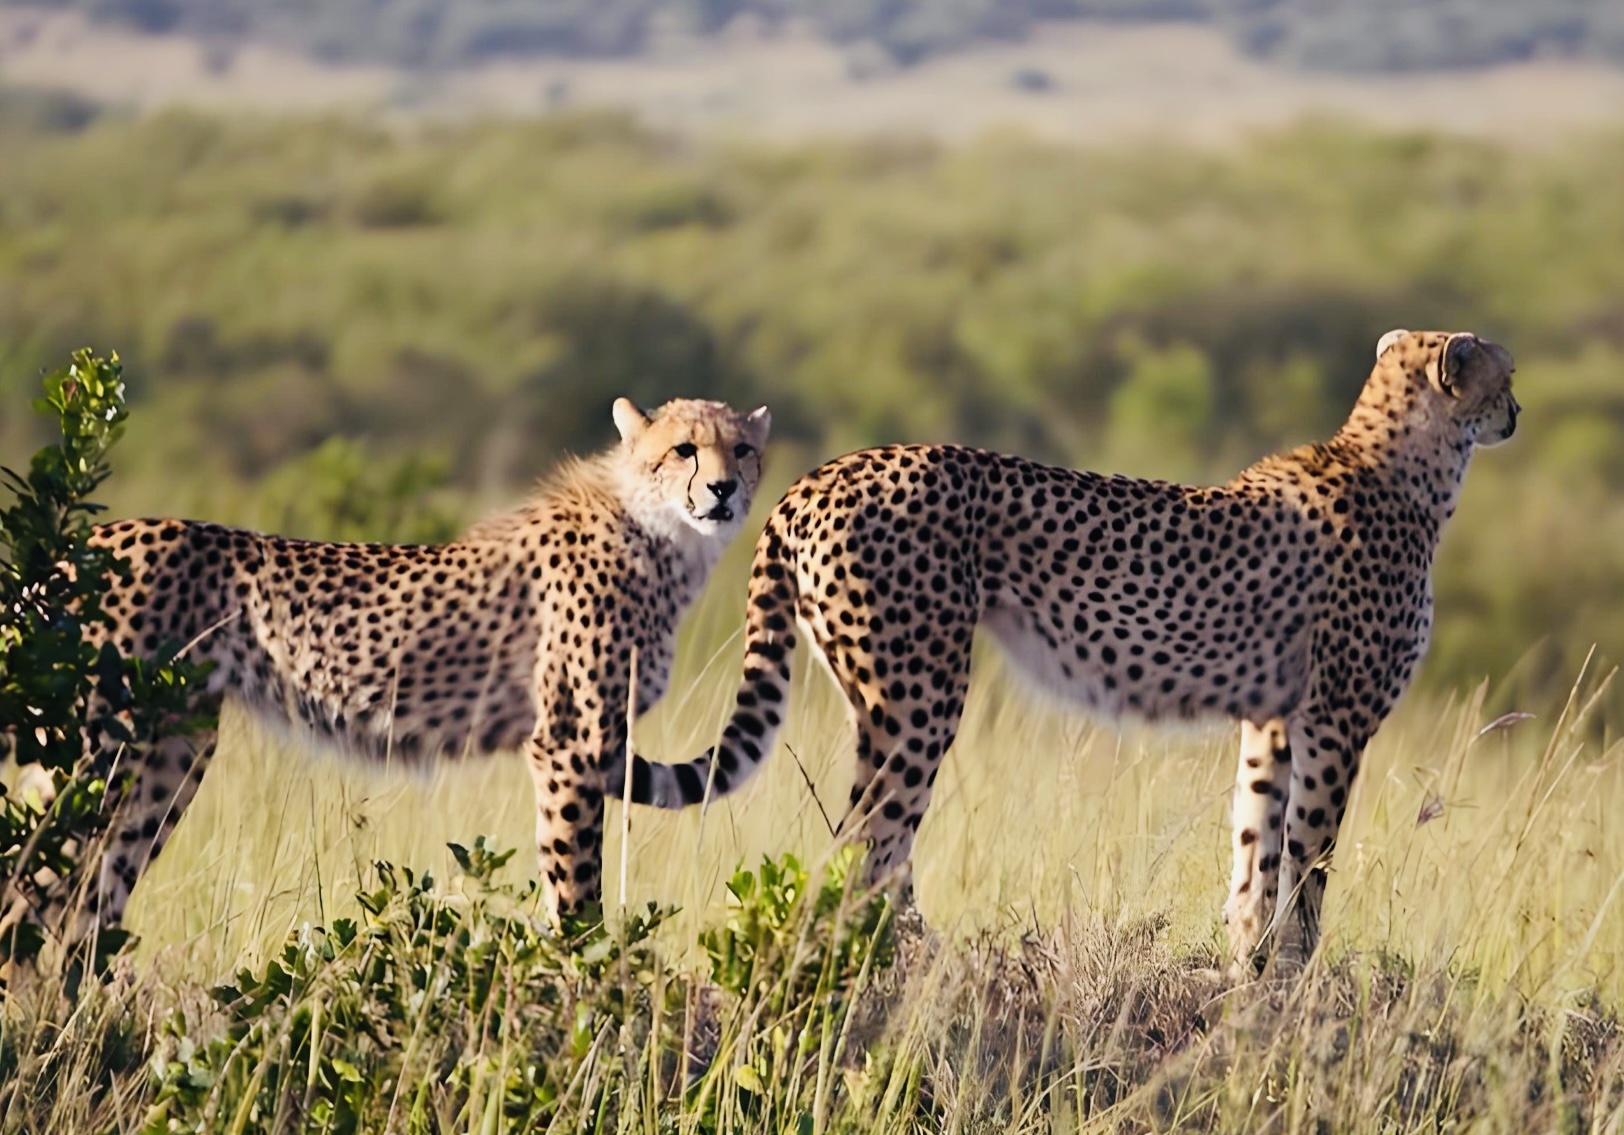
point(518, 635)
point(1297, 598)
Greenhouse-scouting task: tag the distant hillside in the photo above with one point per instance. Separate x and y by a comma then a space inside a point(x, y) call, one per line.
point(1332, 35)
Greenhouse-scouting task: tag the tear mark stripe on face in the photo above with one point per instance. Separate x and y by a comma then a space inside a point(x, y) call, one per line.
point(688, 489)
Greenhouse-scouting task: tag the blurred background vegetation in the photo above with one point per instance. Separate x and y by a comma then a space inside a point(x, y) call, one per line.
point(1334, 35)
point(342, 329)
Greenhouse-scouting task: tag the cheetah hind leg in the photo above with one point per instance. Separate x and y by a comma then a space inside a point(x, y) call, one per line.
point(164, 785)
point(895, 772)
point(865, 822)
point(1261, 782)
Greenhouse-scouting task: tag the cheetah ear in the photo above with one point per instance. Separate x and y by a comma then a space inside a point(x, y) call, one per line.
point(1388, 340)
point(1458, 352)
point(760, 420)
point(629, 420)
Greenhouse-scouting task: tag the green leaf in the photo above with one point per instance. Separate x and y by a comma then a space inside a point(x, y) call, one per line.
point(749, 1079)
point(460, 854)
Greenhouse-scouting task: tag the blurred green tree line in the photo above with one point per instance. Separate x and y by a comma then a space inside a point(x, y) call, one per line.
point(318, 312)
point(1335, 35)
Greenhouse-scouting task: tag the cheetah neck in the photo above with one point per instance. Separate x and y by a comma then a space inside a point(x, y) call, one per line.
point(662, 523)
point(604, 486)
point(1398, 434)
point(671, 535)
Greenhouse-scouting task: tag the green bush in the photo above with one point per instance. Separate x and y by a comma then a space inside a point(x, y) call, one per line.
point(344, 491)
point(454, 1010)
point(54, 682)
point(796, 949)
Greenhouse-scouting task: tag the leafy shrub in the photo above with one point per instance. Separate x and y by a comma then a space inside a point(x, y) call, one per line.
point(343, 490)
point(787, 939)
point(794, 951)
point(49, 112)
point(455, 1010)
point(53, 681)
point(397, 201)
point(436, 1006)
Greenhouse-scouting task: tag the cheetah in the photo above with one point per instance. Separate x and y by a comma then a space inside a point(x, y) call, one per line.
point(520, 634)
point(1296, 598)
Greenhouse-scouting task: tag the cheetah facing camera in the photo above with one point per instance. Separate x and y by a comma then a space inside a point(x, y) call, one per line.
point(519, 634)
point(1296, 598)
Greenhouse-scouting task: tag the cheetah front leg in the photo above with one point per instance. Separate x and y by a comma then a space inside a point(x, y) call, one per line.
point(569, 828)
point(1325, 761)
point(161, 781)
point(1261, 781)
point(577, 758)
point(576, 738)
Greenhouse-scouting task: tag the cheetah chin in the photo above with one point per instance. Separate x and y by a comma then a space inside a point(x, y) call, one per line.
point(714, 519)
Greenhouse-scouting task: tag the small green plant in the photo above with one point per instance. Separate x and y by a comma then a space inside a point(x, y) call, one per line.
point(53, 679)
point(794, 951)
point(789, 936)
point(445, 1010)
point(456, 1009)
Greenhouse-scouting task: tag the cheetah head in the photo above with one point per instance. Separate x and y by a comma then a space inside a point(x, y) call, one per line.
point(697, 462)
point(1468, 379)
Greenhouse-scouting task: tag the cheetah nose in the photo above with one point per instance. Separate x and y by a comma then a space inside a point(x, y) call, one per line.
point(723, 489)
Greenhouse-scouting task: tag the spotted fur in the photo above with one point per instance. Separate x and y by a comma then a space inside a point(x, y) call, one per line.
point(518, 635)
point(1296, 598)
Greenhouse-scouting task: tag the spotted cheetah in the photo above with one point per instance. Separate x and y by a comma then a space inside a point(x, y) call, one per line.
point(1296, 598)
point(519, 634)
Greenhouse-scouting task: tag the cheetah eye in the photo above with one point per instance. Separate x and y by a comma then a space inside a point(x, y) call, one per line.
point(741, 451)
point(686, 450)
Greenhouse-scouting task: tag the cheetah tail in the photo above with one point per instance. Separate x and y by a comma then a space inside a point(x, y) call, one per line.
point(769, 640)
